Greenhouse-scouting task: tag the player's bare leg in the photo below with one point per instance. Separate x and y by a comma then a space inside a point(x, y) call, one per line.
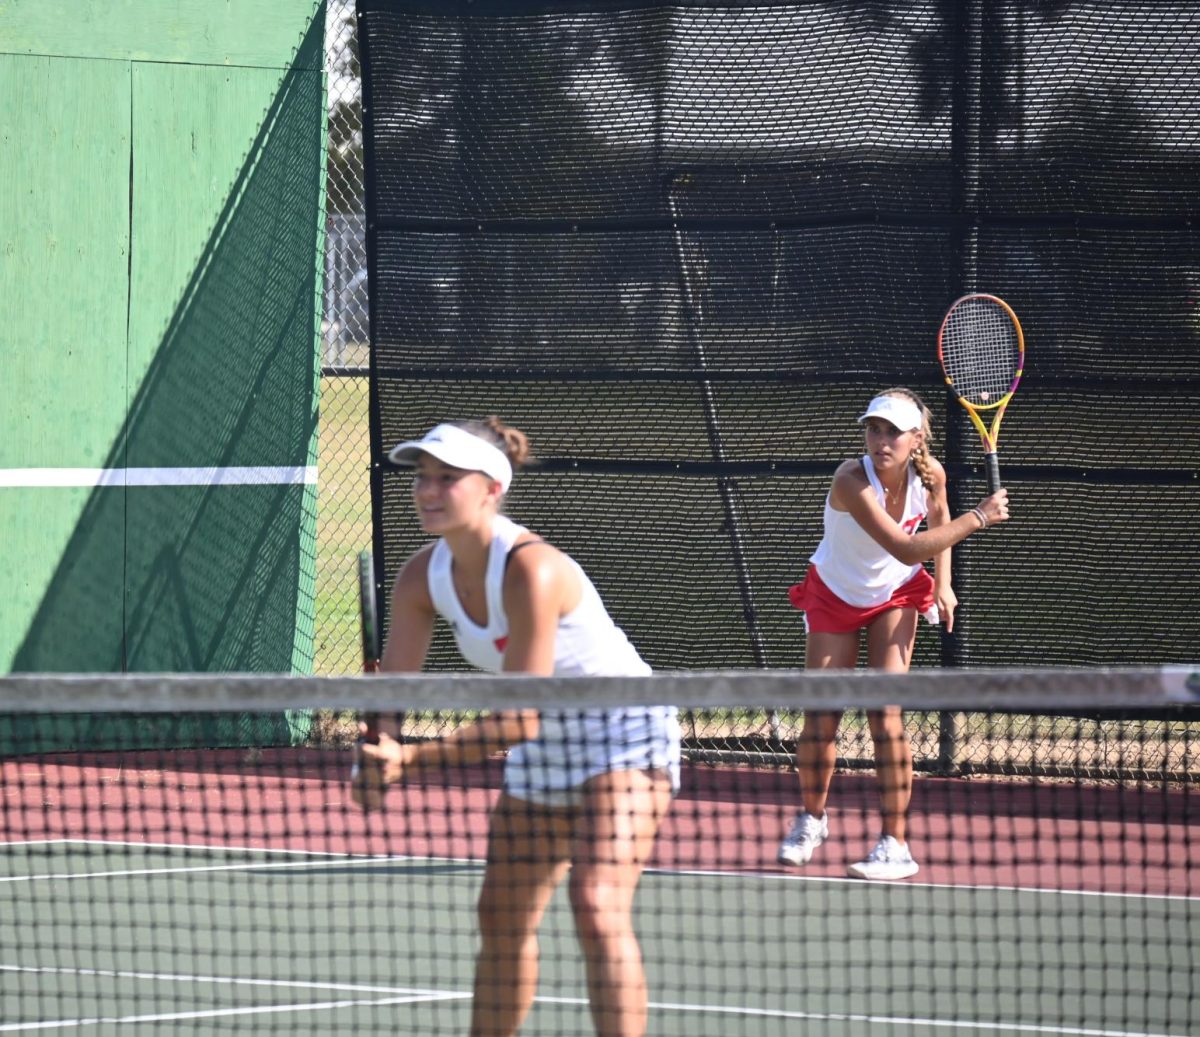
point(528, 856)
point(816, 749)
point(890, 641)
point(616, 831)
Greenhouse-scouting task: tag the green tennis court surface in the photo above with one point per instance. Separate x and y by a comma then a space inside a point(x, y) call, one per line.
point(106, 938)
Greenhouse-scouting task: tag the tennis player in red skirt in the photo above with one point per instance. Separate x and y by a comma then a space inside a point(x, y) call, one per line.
point(867, 575)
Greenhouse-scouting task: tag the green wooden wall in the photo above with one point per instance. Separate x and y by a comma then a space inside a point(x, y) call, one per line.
point(160, 236)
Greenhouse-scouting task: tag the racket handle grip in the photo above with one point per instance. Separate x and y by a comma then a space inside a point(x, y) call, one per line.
point(993, 471)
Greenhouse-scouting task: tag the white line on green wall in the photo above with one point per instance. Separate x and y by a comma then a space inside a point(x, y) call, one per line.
point(255, 475)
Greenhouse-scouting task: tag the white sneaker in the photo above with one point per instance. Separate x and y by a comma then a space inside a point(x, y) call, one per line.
point(889, 860)
point(806, 834)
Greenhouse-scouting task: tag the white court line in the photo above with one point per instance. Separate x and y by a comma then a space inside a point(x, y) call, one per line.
point(399, 996)
point(130, 1020)
point(957, 1025)
point(251, 475)
point(769, 876)
point(189, 869)
point(907, 884)
point(402, 995)
point(322, 858)
point(396, 996)
point(140, 844)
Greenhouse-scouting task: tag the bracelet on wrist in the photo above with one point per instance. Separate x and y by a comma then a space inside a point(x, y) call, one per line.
point(983, 520)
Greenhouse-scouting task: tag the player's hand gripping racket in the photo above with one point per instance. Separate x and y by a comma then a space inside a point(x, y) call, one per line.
point(982, 351)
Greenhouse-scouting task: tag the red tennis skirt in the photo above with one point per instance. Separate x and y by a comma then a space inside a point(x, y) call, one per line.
point(826, 613)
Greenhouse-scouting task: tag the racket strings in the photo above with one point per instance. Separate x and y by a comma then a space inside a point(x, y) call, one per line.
point(980, 352)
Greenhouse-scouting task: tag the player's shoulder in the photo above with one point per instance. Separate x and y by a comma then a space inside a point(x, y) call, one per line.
point(849, 481)
point(412, 581)
point(532, 558)
point(851, 473)
point(538, 575)
point(418, 561)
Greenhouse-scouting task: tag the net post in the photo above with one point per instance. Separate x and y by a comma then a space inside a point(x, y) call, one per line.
point(950, 728)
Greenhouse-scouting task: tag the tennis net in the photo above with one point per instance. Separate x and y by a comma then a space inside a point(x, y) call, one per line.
point(159, 872)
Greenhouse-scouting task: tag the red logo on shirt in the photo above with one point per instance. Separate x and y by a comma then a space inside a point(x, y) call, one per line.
point(910, 526)
point(501, 643)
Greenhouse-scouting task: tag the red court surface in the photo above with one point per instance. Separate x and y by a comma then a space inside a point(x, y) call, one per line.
point(967, 832)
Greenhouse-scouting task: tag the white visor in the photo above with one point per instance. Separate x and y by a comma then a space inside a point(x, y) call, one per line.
point(902, 413)
point(458, 448)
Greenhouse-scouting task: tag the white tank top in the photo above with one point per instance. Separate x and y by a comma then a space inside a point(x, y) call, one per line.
point(853, 565)
point(572, 745)
point(589, 643)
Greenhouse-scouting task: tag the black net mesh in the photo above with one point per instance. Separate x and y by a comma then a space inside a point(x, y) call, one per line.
point(202, 891)
point(681, 245)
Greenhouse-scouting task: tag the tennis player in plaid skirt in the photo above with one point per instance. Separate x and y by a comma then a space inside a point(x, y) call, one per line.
point(584, 790)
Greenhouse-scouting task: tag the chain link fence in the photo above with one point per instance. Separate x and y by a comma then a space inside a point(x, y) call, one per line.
point(344, 517)
point(1071, 747)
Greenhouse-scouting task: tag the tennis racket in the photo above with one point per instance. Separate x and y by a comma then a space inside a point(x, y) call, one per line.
point(372, 648)
point(368, 615)
point(982, 351)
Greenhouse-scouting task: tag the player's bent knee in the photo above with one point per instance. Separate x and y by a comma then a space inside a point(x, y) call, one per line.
point(502, 914)
point(600, 908)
